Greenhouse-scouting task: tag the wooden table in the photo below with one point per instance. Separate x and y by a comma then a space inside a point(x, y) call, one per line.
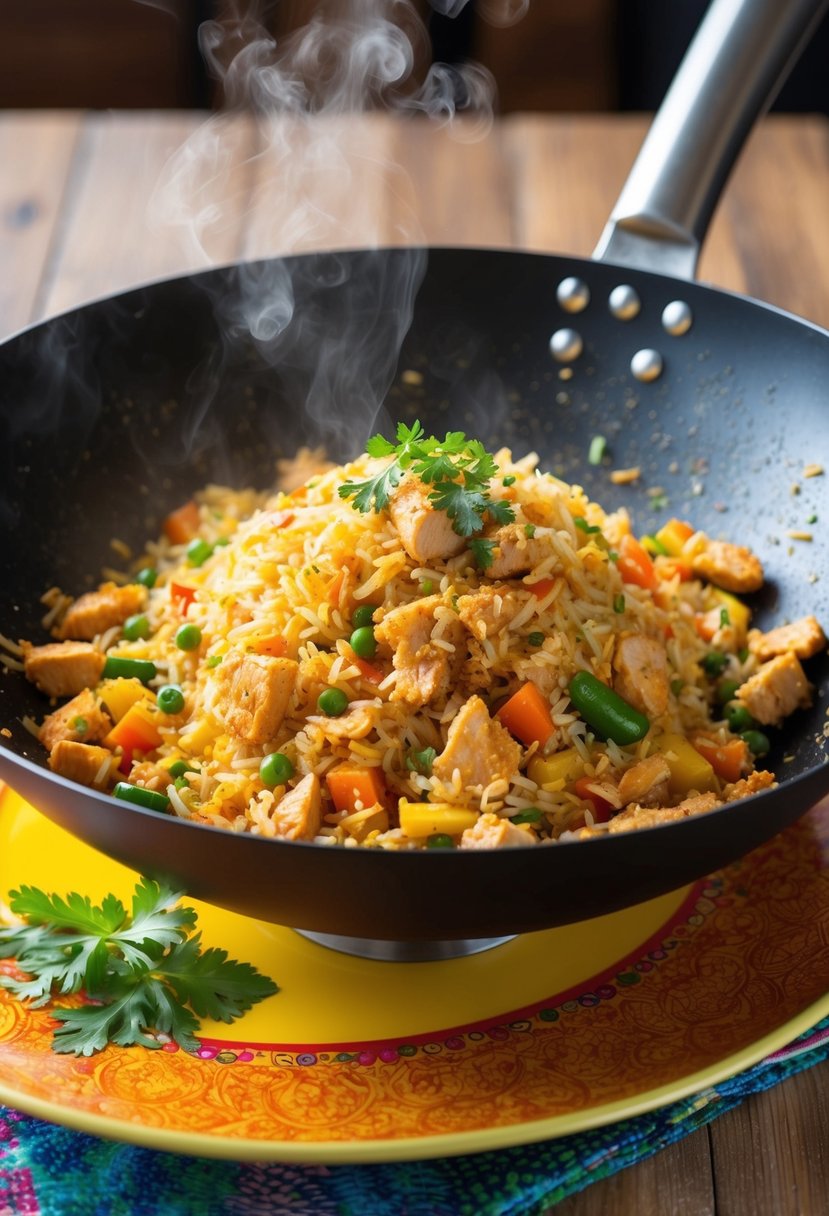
point(95, 203)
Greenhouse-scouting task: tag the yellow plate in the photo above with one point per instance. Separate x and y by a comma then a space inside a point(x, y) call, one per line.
point(358, 1061)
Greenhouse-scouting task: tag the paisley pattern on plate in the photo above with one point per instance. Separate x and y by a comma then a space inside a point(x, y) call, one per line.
point(733, 969)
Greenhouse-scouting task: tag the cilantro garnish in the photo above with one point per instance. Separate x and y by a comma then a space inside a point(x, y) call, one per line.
point(144, 970)
point(457, 469)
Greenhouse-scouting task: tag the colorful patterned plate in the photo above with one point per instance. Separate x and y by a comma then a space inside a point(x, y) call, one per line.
point(358, 1061)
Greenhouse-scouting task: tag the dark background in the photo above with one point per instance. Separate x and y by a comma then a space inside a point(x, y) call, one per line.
point(563, 55)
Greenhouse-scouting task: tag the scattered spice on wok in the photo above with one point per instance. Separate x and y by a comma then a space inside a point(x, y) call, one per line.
point(430, 647)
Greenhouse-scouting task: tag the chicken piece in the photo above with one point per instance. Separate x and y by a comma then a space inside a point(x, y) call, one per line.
point(645, 783)
point(62, 669)
point(515, 553)
point(491, 832)
point(254, 691)
point(634, 817)
point(776, 690)
point(425, 532)
point(83, 762)
point(478, 747)
point(99, 610)
point(641, 674)
point(81, 720)
point(803, 638)
point(355, 724)
point(425, 670)
point(746, 786)
point(732, 567)
point(297, 816)
point(488, 611)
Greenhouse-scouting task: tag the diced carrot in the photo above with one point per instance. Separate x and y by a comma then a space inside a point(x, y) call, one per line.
point(281, 519)
point(635, 565)
point(706, 624)
point(348, 785)
point(541, 588)
point(182, 596)
point(726, 759)
point(674, 534)
point(668, 567)
point(369, 672)
point(136, 731)
point(334, 588)
point(527, 715)
point(181, 525)
point(602, 809)
point(274, 645)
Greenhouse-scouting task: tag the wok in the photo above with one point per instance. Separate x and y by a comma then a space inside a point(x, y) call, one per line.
point(111, 415)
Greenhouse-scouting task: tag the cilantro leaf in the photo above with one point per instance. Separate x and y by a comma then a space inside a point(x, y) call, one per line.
point(501, 511)
point(143, 969)
point(464, 507)
point(373, 493)
point(482, 551)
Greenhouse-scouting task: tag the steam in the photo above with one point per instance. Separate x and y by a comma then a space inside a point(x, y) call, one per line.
point(286, 189)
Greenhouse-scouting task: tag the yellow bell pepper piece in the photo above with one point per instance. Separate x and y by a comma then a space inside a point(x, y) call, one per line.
point(739, 614)
point(360, 823)
point(194, 741)
point(427, 818)
point(121, 694)
point(563, 766)
point(689, 770)
point(673, 535)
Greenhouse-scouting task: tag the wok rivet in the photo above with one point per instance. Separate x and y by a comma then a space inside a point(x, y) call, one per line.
point(566, 345)
point(677, 318)
point(573, 294)
point(646, 365)
point(624, 302)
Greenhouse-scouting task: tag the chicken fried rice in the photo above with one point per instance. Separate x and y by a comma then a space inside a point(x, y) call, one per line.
point(429, 647)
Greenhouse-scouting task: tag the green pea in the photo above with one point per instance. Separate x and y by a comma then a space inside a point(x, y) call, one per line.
point(530, 814)
point(608, 713)
point(275, 769)
point(363, 642)
point(727, 690)
point(439, 840)
point(179, 767)
point(188, 637)
point(139, 669)
point(362, 615)
point(332, 702)
point(198, 551)
point(714, 662)
point(738, 718)
point(141, 797)
point(170, 699)
point(147, 577)
point(536, 638)
point(135, 627)
point(758, 743)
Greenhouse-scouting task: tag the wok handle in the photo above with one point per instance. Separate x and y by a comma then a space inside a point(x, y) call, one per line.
point(737, 61)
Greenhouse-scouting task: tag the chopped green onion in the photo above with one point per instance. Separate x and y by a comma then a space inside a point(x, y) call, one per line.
point(582, 524)
point(530, 814)
point(619, 603)
point(139, 669)
point(597, 450)
point(213, 661)
point(654, 546)
point(198, 552)
point(426, 586)
point(80, 725)
point(725, 619)
point(529, 531)
point(421, 762)
point(812, 519)
point(141, 797)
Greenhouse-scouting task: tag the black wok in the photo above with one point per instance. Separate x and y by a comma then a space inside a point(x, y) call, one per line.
point(113, 414)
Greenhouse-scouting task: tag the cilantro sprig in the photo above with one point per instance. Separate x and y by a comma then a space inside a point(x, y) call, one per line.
point(145, 971)
point(457, 470)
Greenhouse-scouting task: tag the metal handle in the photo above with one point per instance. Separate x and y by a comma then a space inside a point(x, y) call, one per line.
point(737, 61)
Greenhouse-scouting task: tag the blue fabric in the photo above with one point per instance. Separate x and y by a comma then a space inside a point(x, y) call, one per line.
point(46, 1170)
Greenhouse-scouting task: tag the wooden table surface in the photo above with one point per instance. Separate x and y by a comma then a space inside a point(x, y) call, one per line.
point(95, 203)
